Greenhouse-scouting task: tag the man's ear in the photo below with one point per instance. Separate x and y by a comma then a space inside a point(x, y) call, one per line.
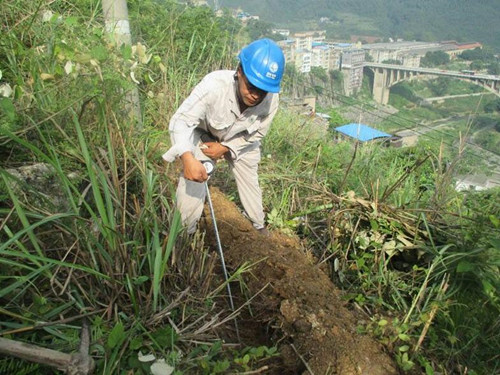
point(238, 72)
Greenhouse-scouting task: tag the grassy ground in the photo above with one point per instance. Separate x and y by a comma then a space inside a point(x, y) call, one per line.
point(403, 245)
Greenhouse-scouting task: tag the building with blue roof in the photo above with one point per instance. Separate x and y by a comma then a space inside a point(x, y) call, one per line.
point(361, 132)
point(343, 45)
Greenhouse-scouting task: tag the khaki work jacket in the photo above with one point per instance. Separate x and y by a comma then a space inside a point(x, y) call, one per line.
point(213, 107)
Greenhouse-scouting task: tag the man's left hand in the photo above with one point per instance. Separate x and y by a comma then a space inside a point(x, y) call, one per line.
point(214, 150)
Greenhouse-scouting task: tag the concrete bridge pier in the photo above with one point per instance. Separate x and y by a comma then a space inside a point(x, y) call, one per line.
point(381, 86)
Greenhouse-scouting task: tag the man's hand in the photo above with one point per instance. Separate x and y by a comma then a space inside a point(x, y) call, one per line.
point(214, 150)
point(193, 169)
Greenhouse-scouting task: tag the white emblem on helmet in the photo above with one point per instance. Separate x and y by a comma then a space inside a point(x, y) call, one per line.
point(273, 67)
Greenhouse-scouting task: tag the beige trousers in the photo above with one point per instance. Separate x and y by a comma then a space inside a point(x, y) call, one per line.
point(191, 195)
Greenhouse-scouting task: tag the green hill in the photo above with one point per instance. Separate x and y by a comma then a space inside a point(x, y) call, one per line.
point(417, 19)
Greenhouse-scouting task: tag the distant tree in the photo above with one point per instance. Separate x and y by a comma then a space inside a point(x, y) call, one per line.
point(488, 139)
point(477, 54)
point(493, 106)
point(484, 122)
point(426, 36)
point(411, 20)
point(319, 73)
point(336, 120)
point(440, 86)
point(404, 90)
point(228, 23)
point(392, 62)
point(435, 58)
point(259, 29)
point(318, 90)
point(368, 57)
point(293, 81)
point(494, 68)
point(476, 65)
point(336, 75)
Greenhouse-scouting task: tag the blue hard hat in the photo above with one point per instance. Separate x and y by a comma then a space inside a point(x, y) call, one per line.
point(263, 64)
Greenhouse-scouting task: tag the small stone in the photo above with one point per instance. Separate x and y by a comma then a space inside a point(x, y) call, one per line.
point(302, 326)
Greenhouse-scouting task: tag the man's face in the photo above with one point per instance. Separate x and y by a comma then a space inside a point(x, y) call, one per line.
point(249, 94)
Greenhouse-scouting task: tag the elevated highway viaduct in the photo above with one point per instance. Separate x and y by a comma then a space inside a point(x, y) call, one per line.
point(387, 75)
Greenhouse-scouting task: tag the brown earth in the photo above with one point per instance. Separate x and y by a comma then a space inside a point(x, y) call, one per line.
point(299, 308)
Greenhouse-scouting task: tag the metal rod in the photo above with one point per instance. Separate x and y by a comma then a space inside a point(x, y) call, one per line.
point(221, 254)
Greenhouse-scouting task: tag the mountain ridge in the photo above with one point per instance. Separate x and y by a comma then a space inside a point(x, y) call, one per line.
point(429, 20)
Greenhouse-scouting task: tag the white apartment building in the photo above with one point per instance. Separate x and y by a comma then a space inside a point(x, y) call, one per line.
point(320, 56)
point(303, 42)
point(283, 32)
point(325, 56)
point(303, 60)
point(309, 49)
point(288, 48)
point(305, 50)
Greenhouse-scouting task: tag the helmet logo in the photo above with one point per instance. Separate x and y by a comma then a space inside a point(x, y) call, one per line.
point(273, 67)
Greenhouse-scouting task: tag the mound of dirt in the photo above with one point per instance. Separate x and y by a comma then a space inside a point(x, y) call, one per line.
point(315, 330)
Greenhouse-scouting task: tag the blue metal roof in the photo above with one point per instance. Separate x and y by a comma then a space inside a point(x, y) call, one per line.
point(361, 132)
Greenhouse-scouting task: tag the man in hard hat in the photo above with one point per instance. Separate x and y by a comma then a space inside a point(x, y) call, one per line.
point(225, 116)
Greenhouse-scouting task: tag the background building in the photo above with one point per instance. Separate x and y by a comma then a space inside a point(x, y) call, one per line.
point(351, 64)
point(311, 49)
point(410, 53)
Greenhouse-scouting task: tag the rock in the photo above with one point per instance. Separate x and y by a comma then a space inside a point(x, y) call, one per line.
point(38, 186)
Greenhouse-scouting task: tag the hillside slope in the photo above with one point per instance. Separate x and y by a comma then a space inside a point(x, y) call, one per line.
point(297, 299)
point(417, 19)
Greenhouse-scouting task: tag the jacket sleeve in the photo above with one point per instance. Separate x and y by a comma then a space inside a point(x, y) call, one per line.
point(244, 140)
point(187, 117)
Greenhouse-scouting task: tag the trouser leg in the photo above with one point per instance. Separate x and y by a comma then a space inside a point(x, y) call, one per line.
point(190, 200)
point(191, 195)
point(247, 181)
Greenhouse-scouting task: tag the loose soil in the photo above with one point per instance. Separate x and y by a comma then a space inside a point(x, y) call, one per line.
point(298, 309)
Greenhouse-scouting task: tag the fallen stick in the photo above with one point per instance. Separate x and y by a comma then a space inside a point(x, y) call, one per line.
point(79, 363)
point(302, 359)
point(47, 324)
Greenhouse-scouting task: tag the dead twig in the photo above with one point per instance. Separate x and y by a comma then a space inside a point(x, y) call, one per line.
point(258, 371)
point(47, 324)
point(302, 359)
point(79, 363)
point(443, 287)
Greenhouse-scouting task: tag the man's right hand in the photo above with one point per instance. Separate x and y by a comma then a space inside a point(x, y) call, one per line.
point(193, 169)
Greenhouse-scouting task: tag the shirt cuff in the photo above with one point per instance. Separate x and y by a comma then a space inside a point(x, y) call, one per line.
point(232, 151)
point(176, 150)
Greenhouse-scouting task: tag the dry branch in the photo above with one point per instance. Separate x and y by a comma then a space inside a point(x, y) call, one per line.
point(79, 363)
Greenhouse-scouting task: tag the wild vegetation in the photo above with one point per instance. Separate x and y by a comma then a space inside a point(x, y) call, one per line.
point(99, 237)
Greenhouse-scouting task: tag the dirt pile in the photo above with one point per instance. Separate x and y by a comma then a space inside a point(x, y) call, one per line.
point(299, 301)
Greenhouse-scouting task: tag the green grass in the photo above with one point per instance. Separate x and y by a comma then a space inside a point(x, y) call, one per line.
point(377, 211)
point(109, 246)
point(406, 246)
